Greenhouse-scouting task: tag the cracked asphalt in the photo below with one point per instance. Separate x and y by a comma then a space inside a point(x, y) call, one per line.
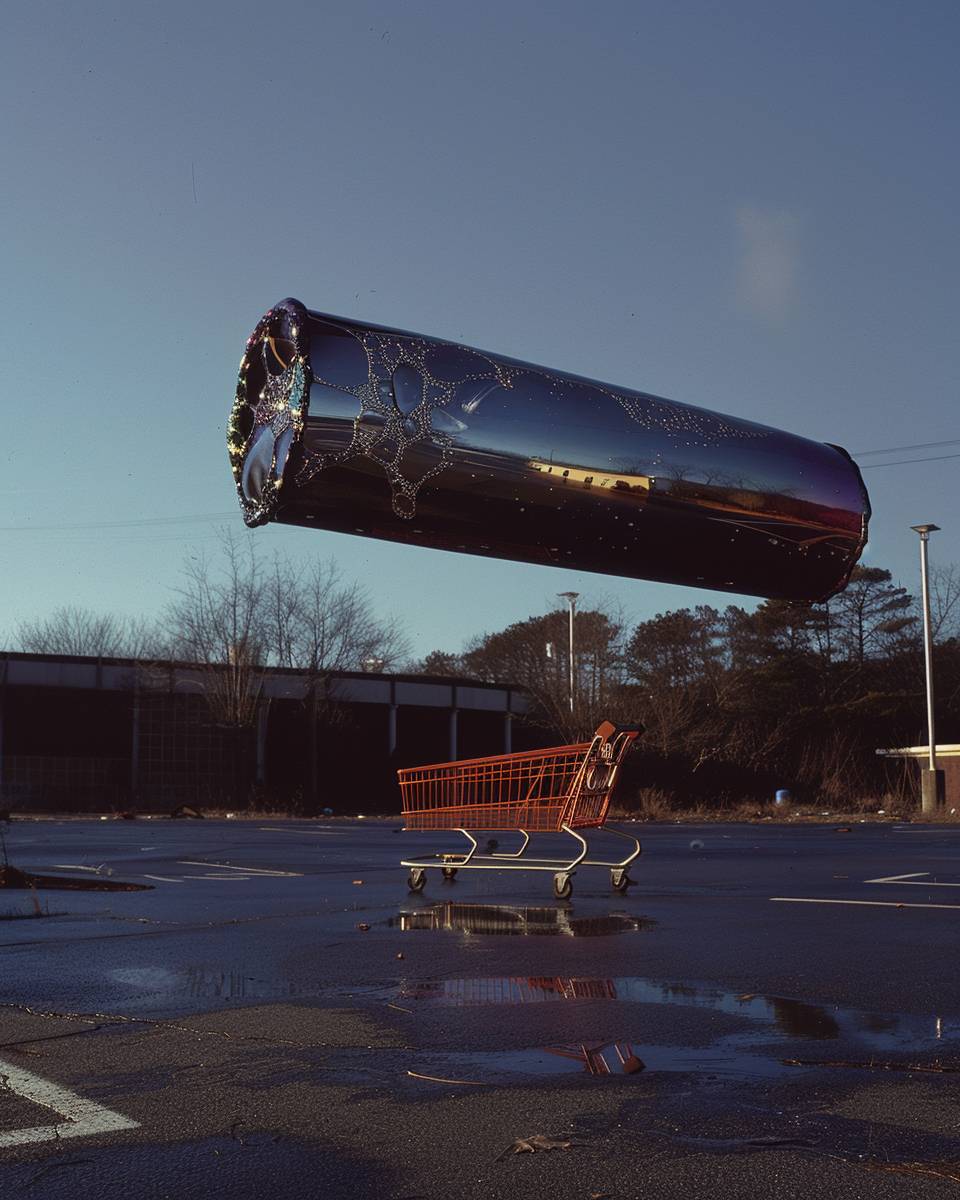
point(278, 1014)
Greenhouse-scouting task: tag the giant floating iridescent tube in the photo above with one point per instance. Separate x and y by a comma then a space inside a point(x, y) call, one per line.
point(353, 427)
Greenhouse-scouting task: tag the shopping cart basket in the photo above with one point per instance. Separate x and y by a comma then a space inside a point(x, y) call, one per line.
point(561, 789)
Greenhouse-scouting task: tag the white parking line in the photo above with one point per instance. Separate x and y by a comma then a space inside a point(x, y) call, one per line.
point(189, 862)
point(867, 903)
point(82, 1118)
point(163, 878)
point(897, 878)
point(913, 880)
point(910, 829)
point(308, 832)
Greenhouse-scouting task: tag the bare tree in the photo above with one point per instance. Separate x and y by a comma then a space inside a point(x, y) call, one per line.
point(73, 630)
point(216, 620)
point(336, 628)
point(235, 618)
point(945, 602)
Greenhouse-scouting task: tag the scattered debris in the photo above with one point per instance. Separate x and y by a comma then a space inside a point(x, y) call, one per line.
point(357, 882)
point(932, 1170)
point(126, 815)
point(843, 829)
point(13, 877)
point(745, 996)
point(536, 1141)
point(363, 927)
point(399, 1009)
point(934, 1068)
point(186, 811)
point(437, 1079)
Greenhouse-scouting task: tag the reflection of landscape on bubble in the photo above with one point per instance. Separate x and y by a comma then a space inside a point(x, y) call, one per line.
point(406, 390)
point(531, 464)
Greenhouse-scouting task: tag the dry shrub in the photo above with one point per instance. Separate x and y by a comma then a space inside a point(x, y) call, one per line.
point(653, 804)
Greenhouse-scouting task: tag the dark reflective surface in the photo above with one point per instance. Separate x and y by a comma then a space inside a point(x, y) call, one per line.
point(405, 437)
point(790, 1019)
point(615, 1059)
point(521, 921)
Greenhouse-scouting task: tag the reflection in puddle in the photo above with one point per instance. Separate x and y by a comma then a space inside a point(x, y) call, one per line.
point(615, 1059)
point(203, 983)
point(789, 1019)
point(505, 919)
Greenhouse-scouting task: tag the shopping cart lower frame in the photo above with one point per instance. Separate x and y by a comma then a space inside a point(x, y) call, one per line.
point(562, 789)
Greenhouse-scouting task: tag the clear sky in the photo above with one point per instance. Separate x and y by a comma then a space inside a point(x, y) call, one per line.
point(750, 206)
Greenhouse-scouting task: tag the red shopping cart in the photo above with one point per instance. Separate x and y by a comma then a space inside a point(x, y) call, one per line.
point(562, 789)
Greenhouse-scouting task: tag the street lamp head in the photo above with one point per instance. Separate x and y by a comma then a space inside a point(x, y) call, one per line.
point(925, 530)
point(570, 596)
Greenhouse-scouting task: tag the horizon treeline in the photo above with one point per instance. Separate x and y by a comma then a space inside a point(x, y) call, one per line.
point(735, 703)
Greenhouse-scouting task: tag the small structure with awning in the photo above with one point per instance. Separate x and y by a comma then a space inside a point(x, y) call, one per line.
point(948, 760)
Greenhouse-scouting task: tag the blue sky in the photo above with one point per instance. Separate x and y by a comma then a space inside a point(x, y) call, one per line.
point(748, 206)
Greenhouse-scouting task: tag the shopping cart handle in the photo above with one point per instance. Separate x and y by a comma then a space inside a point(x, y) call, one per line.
point(607, 729)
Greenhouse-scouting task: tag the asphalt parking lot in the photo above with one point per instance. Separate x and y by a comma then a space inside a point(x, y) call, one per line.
point(769, 1011)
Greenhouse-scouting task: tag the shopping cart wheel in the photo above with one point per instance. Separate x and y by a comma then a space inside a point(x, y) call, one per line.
point(449, 872)
point(417, 880)
point(562, 886)
point(619, 879)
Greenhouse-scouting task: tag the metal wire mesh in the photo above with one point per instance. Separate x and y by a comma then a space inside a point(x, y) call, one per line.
point(538, 790)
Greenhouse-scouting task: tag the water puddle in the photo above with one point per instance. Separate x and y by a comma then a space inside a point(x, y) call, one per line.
point(613, 1058)
point(205, 983)
point(520, 921)
point(786, 1018)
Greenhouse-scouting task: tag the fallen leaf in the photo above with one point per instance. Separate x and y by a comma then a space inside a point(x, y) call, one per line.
point(536, 1141)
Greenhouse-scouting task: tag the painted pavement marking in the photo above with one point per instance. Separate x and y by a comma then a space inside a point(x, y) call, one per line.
point(81, 1118)
point(865, 903)
point(306, 832)
point(163, 878)
point(915, 879)
point(189, 862)
point(910, 829)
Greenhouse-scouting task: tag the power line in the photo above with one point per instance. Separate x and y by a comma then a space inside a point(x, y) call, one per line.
point(918, 446)
point(136, 523)
point(901, 461)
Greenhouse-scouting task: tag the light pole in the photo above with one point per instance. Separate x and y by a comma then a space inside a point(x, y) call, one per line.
point(571, 599)
point(931, 780)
